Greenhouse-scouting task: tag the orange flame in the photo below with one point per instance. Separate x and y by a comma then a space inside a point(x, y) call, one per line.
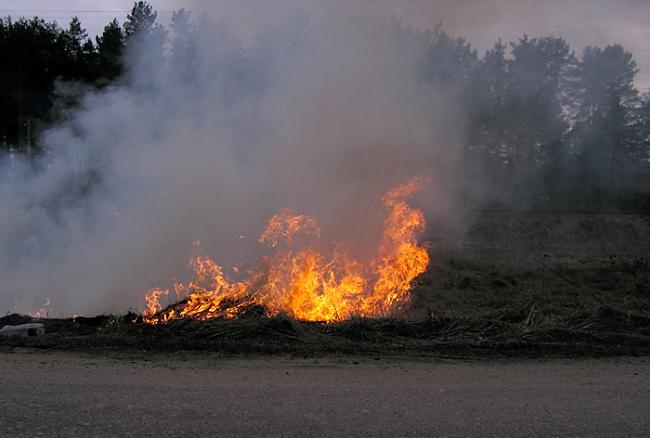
point(304, 283)
point(44, 310)
point(285, 225)
point(152, 300)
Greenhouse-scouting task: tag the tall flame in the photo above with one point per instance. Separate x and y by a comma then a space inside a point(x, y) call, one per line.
point(304, 283)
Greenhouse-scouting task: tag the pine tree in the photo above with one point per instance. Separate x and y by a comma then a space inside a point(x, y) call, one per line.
point(604, 133)
point(145, 43)
point(110, 48)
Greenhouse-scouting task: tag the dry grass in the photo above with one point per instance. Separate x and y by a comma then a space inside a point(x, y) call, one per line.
point(510, 332)
point(511, 285)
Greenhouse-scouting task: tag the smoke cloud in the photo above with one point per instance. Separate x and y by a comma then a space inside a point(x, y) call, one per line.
point(315, 114)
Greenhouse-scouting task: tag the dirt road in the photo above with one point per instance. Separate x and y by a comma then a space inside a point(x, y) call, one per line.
point(60, 394)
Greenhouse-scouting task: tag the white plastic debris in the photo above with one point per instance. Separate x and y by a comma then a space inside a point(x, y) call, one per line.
point(26, 330)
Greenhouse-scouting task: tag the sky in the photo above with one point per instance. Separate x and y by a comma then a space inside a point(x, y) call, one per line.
point(581, 22)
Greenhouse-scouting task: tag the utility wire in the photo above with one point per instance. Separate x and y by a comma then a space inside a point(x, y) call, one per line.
point(462, 23)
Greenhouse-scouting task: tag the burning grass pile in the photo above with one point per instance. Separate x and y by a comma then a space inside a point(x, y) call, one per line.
point(304, 279)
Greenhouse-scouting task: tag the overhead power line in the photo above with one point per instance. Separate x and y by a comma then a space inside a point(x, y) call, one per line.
point(446, 22)
point(76, 11)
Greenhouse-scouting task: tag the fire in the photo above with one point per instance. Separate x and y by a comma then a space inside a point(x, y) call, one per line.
point(153, 305)
point(44, 310)
point(303, 282)
point(285, 225)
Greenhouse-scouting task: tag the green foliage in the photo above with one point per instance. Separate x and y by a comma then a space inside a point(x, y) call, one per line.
point(142, 19)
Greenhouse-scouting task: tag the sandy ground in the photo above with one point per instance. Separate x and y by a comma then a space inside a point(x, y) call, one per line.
point(64, 394)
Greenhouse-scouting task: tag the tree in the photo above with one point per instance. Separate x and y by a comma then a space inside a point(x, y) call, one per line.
point(183, 29)
point(643, 148)
point(534, 113)
point(141, 28)
point(534, 99)
point(33, 55)
point(145, 41)
point(142, 19)
point(485, 106)
point(82, 62)
point(88, 62)
point(604, 133)
point(183, 50)
point(110, 48)
point(448, 62)
point(76, 35)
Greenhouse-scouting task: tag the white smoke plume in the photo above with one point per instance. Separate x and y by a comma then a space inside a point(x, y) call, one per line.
point(317, 114)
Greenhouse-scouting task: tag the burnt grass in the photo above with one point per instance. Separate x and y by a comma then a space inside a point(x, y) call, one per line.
point(511, 285)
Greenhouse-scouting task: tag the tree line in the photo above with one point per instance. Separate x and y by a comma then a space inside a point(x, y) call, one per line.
point(543, 127)
point(38, 55)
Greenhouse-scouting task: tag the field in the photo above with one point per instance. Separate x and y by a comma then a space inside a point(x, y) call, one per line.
point(511, 284)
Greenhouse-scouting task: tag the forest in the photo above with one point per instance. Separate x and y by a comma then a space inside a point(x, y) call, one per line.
point(543, 127)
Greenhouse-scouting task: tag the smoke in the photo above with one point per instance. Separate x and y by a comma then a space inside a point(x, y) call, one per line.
point(270, 106)
point(581, 22)
point(314, 113)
